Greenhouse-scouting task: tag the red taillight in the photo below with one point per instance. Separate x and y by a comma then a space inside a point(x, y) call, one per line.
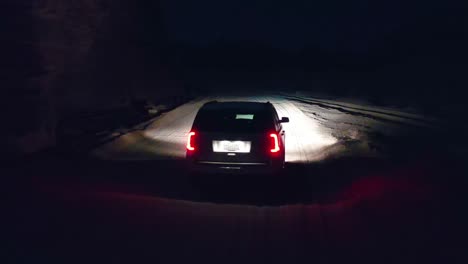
point(275, 143)
point(190, 145)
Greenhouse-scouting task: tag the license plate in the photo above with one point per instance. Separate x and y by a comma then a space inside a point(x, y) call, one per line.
point(231, 146)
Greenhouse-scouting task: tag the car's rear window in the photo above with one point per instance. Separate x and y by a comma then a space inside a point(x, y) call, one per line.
point(233, 121)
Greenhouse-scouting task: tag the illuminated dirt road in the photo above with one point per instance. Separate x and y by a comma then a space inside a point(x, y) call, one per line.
point(328, 146)
point(317, 130)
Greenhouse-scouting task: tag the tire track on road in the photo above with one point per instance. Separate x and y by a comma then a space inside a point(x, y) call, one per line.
point(376, 115)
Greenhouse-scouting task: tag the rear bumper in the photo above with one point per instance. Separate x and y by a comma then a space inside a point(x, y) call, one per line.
point(208, 167)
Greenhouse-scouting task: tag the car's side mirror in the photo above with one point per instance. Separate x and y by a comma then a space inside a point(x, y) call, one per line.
point(284, 120)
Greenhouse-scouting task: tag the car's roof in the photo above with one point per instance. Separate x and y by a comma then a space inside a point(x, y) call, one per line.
point(232, 105)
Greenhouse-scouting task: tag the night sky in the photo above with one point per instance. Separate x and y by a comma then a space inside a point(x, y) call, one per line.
point(417, 44)
point(349, 26)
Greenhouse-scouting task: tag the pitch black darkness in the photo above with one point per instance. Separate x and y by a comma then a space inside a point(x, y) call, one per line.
point(386, 48)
